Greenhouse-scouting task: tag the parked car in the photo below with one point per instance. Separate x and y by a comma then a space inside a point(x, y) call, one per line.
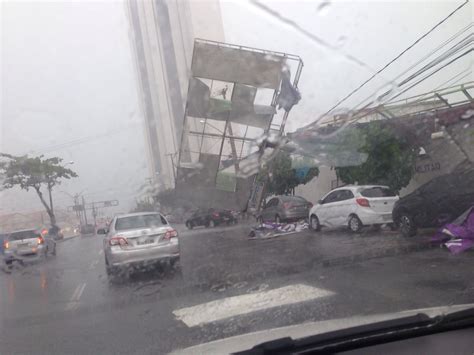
point(210, 218)
point(284, 208)
point(355, 207)
point(26, 244)
point(435, 203)
point(138, 240)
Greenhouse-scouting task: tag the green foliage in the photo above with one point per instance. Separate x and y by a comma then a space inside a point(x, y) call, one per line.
point(27, 172)
point(282, 175)
point(390, 158)
point(34, 172)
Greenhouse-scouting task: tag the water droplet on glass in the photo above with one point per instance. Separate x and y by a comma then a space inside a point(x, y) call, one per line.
point(341, 41)
point(323, 7)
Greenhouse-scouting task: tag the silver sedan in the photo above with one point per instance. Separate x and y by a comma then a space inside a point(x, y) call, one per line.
point(138, 240)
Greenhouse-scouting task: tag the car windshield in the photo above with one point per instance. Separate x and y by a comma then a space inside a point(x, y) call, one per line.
point(207, 170)
point(136, 222)
point(377, 192)
point(23, 235)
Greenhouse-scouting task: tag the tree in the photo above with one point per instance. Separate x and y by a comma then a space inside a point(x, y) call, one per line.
point(284, 173)
point(36, 173)
point(144, 206)
point(390, 157)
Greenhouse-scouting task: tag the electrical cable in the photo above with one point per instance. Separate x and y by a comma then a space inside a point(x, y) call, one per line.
point(395, 59)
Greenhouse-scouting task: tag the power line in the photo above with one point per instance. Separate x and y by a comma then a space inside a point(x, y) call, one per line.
point(449, 40)
point(447, 54)
point(395, 59)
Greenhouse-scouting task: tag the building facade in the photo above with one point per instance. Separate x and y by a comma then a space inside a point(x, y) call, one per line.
point(161, 37)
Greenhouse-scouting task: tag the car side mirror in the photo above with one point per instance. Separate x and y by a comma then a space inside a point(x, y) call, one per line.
point(102, 231)
point(320, 202)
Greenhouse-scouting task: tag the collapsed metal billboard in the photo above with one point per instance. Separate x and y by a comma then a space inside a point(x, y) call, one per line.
point(232, 100)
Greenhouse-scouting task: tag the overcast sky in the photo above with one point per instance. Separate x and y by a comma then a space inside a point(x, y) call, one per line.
point(68, 86)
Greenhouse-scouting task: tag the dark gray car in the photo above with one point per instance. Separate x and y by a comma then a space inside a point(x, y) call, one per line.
point(285, 208)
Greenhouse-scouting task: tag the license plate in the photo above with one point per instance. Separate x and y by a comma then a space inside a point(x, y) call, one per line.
point(145, 241)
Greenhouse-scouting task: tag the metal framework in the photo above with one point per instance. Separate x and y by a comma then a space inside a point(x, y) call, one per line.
point(220, 131)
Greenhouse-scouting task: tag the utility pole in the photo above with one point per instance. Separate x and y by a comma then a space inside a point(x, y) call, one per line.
point(94, 213)
point(84, 209)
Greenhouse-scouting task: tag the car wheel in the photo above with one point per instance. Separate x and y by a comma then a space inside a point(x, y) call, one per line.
point(314, 223)
point(277, 219)
point(355, 225)
point(407, 226)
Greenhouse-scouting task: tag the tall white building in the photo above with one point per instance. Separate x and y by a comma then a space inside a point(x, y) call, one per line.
point(162, 34)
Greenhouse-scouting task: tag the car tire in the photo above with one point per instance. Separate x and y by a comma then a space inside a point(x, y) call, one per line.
point(314, 223)
point(354, 224)
point(277, 219)
point(407, 225)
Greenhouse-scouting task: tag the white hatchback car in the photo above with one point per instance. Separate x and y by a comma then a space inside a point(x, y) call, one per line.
point(355, 207)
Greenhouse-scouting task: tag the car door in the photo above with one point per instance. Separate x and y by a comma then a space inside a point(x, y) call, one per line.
point(438, 199)
point(341, 208)
point(269, 211)
point(462, 196)
point(325, 208)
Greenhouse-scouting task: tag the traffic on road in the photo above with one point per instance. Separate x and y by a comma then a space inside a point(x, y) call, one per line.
point(245, 177)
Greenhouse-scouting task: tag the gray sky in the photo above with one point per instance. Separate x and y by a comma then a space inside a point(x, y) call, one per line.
point(68, 86)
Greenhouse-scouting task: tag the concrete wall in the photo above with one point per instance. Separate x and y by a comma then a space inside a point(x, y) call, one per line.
point(443, 155)
point(319, 186)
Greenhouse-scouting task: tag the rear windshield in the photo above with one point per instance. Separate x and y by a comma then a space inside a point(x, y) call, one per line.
point(293, 198)
point(143, 221)
point(23, 235)
point(377, 192)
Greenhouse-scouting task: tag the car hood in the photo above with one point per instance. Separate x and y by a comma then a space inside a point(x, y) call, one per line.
point(247, 341)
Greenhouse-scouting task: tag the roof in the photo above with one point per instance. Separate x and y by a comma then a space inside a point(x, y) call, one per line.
point(354, 187)
point(136, 214)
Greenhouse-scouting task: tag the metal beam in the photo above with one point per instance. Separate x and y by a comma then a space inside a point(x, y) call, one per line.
point(466, 93)
point(442, 99)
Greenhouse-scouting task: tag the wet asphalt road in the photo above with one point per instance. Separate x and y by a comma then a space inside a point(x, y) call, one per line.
point(67, 305)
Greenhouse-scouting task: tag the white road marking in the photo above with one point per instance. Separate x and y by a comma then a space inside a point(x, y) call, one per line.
point(243, 304)
point(74, 301)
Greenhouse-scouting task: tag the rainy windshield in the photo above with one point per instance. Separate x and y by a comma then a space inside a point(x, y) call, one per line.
point(308, 161)
point(135, 222)
point(23, 235)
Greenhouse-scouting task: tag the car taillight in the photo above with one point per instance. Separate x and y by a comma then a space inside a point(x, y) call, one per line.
point(286, 205)
point(171, 234)
point(363, 202)
point(40, 240)
point(6, 245)
point(215, 214)
point(118, 241)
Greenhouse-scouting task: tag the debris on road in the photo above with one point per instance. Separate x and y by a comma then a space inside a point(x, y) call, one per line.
point(267, 230)
point(458, 235)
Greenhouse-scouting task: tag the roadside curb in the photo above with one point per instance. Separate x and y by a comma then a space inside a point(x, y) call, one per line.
point(68, 238)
